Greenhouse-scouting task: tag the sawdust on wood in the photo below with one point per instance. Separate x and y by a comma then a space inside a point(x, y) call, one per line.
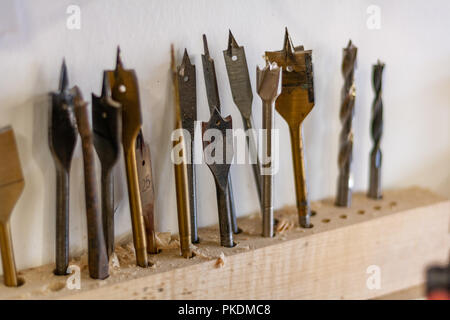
point(220, 263)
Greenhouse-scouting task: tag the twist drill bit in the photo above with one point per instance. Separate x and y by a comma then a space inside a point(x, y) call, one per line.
point(344, 192)
point(62, 139)
point(107, 126)
point(181, 175)
point(294, 103)
point(268, 83)
point(241, 90)
point(377, 130)
point(188, 105)
point(11, 187)
point(124, 89)
point(97, 254)
point(144, 166)
point(212, 92)
point(219, 164)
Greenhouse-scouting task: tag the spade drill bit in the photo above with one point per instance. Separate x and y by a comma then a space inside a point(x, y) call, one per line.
point(294, 104)
point(377, 130)
point(97, 254)
point(212, 91)
point(11, 187)
point(124, 89)
point(107, 126)
point(144, 166)
point(188, 104)
point(241, 90)
point(220, 170)
point(181, 174)
point(344, 192)
point(62, 137)
point(268, 84)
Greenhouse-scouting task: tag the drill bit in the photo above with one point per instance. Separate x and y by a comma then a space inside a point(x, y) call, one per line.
point(188, 105)
point(377, 130)
point(181, 174)
point(241, 90)
point(11, 187)
point(124, 88)
point(107, 126)
point(294, 103)
point(220, 168)
point(62, 139)
point(97, 253)
point(268, 83)
point(144, 166)
point(212, 91)
point(345, 182)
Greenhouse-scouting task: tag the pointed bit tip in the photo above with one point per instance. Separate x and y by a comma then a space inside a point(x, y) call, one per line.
point(186, 60)
point(288, 48)
point(63, 77)
point(118, 58)
point(232, 43)
point(172, 58)
point(205, 46)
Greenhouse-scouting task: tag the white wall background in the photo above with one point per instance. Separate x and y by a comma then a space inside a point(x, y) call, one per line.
point(413, 41)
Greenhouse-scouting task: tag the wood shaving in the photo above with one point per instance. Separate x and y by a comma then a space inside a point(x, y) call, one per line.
point(164, 240)
point(200, 253)
point(284, 225)
point(220, 263)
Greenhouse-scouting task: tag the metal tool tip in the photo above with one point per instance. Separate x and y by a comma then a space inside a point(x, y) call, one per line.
point(288, 47)
point(172, 58)
point(231, 42)
point(205, 45)
point(118, 58)
point(186, 60)
point(63, 77)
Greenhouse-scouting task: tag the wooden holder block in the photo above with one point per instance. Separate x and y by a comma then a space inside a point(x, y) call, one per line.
point(400, 235)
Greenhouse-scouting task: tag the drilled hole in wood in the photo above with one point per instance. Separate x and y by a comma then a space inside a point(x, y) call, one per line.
point(326, 220)
point(343, 216)
point(393, 204)
point(20, 281)
point(377, 207)
point(361, 212)
point(313, 213)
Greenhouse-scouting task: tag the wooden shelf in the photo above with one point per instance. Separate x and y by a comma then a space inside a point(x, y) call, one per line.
point(401, 234)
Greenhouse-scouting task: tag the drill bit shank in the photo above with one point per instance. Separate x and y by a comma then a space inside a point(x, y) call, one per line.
point(344, 192)
point(377, 129)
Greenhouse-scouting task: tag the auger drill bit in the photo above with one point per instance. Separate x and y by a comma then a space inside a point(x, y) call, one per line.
point(241, 90)
point(188, 104)
point(268, 86)
point(218, 159)
point(62, 139)
point(212, 92)
point(107, 126)
point(294, 103)
point(11, 187)
point(345, 181)
point(181, 173)
point(377, 129)
point(144, 166)
point(124, 89)
point(97, 254)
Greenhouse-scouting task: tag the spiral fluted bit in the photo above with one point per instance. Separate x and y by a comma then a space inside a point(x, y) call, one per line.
point(377, 130)
point(344, 192)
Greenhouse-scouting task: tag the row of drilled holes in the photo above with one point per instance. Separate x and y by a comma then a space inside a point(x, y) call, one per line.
point(360, 212)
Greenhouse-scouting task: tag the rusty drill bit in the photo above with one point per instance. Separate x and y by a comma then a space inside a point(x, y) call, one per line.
point(144, 166)
point(181, 174)
point(11, 187)
point(345, 181)
point(97, 253)
point(62, 139)
point(294, 103)
point(268, 84)
point(219, 164)
point(241, 90)
point(377, 130)
point(212, 91)
point(124, 88)
point(188, 105)
point(107, 126)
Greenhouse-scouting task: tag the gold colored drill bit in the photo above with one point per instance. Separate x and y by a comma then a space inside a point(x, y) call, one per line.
point(294, 104)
